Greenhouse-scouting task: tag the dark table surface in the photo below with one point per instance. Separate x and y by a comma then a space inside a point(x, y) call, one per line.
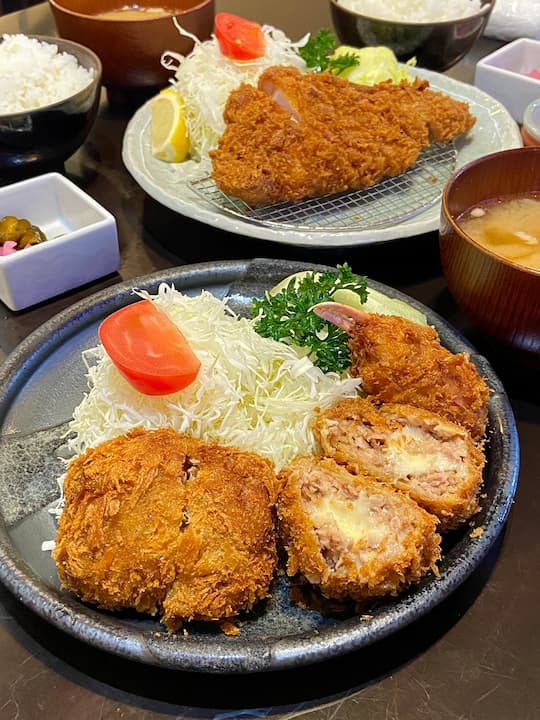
point(475, 657)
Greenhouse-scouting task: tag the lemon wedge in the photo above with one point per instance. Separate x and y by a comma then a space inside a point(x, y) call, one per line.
point(169, 137)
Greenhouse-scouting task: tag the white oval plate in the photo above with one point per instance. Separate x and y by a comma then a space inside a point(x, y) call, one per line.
point(494, 130)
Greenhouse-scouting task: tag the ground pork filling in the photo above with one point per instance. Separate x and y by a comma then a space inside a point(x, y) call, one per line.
point(433, 459)
point(352, 522)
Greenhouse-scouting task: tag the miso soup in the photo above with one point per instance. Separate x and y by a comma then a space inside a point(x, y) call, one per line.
point(508, 226)
point(134, 12)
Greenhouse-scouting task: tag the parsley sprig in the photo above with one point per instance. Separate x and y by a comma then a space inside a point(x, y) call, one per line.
point(318, 52)
point(287, 316)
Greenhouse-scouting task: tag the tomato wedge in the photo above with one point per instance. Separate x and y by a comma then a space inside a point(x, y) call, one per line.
point(148, 349)
point(238, 38)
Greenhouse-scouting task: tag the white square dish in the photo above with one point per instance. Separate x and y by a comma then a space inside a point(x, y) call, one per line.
point(503, 74)
point(81, 245)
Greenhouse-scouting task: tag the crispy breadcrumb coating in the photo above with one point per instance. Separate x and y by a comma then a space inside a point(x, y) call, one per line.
point(432, 459)
point(401, 361)
point(169, 525)
point(301, 135)
point(349, 535)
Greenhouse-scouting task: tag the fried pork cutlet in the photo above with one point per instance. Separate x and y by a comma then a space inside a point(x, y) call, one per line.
point(352, 537)
point(166, 524)
point(400, 361)
point(444, 117)
point(300, 135)
point(432, 459)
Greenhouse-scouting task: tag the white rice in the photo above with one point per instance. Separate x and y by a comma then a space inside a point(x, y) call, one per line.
point(414, 10)
point(34, 74)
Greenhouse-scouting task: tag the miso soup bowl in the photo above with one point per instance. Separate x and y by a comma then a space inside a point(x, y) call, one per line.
point(499, 296)
point(130, 50)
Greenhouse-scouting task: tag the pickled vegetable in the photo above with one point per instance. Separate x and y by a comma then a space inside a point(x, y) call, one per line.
point(17, 234)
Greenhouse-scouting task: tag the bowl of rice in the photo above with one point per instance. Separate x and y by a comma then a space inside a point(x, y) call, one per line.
point(49, 96)
point(437, 33)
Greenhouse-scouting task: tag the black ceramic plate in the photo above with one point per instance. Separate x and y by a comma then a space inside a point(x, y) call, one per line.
point(43, 380)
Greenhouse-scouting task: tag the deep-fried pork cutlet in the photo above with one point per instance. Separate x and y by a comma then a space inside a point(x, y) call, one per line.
point(351, 536)
point(169, 525)
point(299, 135)
point(432, 459)
point(445, 117)
point(401, 361)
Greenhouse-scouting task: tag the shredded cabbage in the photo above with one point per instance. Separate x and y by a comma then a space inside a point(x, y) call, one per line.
point(252, 392)
point(205, 78)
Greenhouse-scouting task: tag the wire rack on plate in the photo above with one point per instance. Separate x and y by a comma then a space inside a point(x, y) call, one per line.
point(389, 202)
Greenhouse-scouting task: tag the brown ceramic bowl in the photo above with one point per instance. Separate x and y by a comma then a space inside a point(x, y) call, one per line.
point(436, 45)
point(501, 297)
point(130, 49)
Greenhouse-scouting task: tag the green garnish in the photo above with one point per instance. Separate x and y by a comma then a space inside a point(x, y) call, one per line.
point(286, 316)
point(318, 54)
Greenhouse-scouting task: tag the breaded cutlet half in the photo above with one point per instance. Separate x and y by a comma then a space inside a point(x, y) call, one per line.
point(352, 537)
point(417, 451)
point(228, 548)
point(443, 117)
point(256, 158)
point(166, 524)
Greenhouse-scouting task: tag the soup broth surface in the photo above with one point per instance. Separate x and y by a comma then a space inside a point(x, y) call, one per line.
point(134, 12)
point(508, 226)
